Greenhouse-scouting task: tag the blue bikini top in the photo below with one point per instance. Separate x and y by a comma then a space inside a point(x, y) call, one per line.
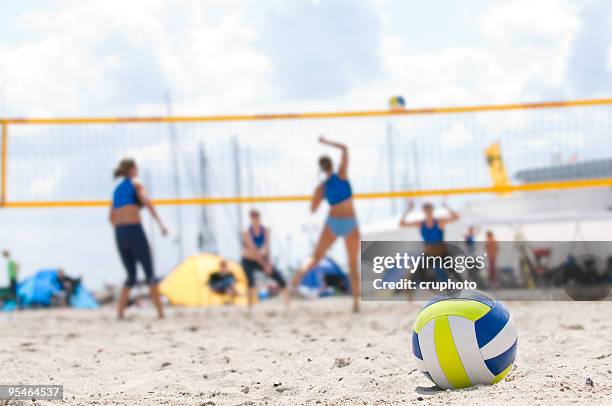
point(125, 194)
point(337, 190)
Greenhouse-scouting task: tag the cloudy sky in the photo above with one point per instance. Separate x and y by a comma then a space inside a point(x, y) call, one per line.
point(75, 57)
point(62, 58)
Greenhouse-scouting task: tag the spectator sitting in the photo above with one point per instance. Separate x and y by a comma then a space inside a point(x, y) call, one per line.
point(68, 285)
point(223, 281)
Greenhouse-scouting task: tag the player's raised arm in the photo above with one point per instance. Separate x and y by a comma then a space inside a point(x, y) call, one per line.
point(343, 168)
point(454, 216)
point(403, 222)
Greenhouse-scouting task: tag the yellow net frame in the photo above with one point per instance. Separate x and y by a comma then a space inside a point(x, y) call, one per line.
point(7, 124)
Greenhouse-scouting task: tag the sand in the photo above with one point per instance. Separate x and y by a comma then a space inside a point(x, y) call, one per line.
point(317, 354)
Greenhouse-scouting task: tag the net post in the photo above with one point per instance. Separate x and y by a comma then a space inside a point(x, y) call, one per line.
point(4, 155)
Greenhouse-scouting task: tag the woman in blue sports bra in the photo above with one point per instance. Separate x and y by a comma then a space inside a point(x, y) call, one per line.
point(341, 221)
point(432, 232)
point(256, 256)
point(431, 228)
point(128, 198)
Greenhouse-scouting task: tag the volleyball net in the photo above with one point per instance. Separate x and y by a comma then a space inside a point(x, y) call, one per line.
point(248, 159)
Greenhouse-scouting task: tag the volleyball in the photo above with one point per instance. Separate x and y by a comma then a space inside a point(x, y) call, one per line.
point(397, 103)
point(464, 340)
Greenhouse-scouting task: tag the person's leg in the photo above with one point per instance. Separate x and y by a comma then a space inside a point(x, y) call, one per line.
point(436, 254)
point(13, 286)
point(124, 296)
point(143, 255)
point(282, 284)
point(13, 289)
point(249, 267)
point(353, 245)
point(217, 286)
point(156, 298)
point(233, 293)
point(492, 271)
point(230, 288)
point(129, 262)
point(326, 240)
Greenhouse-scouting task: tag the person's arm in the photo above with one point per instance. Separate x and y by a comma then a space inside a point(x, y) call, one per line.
point(317, 197)
point(266, 248)
point(111, 215)
point(454, 216)
point(146, 202)
point(250, 247)
point(343, 169)
point(403, 222)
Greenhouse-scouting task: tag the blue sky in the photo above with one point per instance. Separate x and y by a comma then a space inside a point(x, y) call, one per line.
point(99, 58)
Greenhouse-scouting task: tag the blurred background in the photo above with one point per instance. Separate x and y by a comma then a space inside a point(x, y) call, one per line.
point(68, 59)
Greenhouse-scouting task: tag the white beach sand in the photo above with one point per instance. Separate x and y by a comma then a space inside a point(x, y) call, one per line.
point(318, 354)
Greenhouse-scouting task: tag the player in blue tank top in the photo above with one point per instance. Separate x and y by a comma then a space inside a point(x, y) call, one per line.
point(125, 194)
point(128, 198)
point(256, 256)
point(470, 239)
point(432, 231)
point(431, 228)
point(341, 222)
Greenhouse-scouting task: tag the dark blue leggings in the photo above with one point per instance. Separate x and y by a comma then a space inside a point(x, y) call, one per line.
point(251, 266)
point(134, 248)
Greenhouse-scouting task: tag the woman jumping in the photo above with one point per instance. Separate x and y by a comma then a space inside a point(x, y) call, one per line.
point(341, 221)
point(129, 197)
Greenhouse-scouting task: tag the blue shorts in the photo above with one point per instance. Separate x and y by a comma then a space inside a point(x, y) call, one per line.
point(341, 226)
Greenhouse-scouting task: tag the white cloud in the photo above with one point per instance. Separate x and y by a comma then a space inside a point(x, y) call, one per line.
point(112, 56)
point(46, 184)
point(524, 58)
point(532, 41)
point(574, 140)
point(524, 22)
point(586, 71)
point(448, 76)
point(456, 136)
point(539, 143)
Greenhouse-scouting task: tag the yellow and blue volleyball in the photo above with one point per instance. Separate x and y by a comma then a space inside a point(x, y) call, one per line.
point(397, 103)
point(464, 340)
